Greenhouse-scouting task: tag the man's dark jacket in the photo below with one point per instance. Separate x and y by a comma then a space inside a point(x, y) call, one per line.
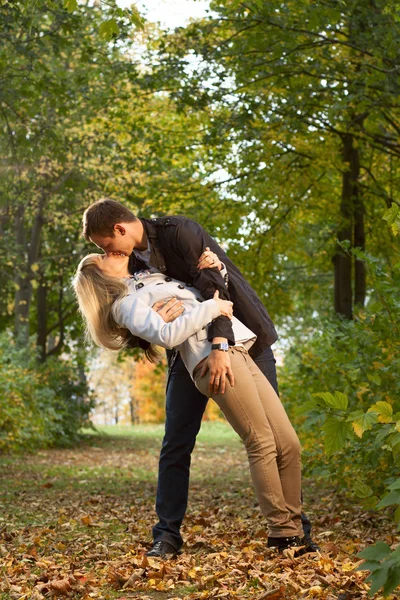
point(176, 244)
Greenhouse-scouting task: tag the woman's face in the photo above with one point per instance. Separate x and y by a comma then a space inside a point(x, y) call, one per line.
point(114, 265)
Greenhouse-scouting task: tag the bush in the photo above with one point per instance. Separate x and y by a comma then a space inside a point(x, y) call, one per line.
point(40, 404)
point(341, 385)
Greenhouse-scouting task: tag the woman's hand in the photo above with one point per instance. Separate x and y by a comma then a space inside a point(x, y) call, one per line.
point(225, 306)
point(170, 309)
point(209, 260)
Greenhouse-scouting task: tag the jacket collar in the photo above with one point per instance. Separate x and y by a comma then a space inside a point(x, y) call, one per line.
point(156, 255)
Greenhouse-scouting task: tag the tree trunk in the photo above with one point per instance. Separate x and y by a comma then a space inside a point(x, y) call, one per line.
point(23, 279)
point(41, 303)
point(23, 288)
point(360, 279)
point(343, 296)
point(133, 411)
point(57, 348)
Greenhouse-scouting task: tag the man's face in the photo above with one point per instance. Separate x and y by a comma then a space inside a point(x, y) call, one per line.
point(120, 243)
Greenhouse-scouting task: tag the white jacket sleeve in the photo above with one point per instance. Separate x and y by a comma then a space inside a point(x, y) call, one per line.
point(141, 320)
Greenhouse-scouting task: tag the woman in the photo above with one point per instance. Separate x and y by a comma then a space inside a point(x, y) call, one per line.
point(116, 305)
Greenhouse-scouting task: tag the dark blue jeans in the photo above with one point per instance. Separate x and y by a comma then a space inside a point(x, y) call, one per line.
point(185, 406)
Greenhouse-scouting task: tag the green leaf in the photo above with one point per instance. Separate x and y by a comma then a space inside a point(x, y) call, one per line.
point(337, 400)
point(335, 435)
point(136, 18)
point(361, 490)
point(378, 579)
point(392, 216)
point(397, 515)
point(306, 407)
point(363, 422)
point(382, 434)
point(394, 439)
point(393, 579)
point(391, 498)
point(371, 565)
point(70, 5)
point(395, 485)
point(375, 307)
point(108, 29)
point(370, 503)
point(378, 551)
point(375, 378)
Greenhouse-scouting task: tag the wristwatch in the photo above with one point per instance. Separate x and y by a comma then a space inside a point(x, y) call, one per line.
point(224, 346)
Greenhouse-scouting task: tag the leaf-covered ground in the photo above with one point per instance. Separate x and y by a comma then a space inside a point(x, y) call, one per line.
point(77, 523)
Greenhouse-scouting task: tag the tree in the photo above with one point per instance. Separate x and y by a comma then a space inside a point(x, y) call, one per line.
point(76, 125)
point(301, 102)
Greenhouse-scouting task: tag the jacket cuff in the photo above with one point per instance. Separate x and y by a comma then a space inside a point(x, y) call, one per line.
point(221, 327)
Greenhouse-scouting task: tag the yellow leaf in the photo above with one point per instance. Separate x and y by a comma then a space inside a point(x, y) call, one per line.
point(358, 430)
point(384, 410)
point(193, 572)
point(361, 392)
point(314, 592)
point(348, 567)
point(87, 520)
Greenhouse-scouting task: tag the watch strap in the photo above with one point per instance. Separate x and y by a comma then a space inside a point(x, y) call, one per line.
point(224, 346)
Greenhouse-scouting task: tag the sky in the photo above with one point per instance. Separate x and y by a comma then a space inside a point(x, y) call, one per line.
point(170, 13)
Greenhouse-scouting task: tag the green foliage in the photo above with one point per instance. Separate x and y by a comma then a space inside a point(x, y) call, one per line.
point(39, 406)
point(361, 422)
point(336, 432)
point(392, 216)
point(108, 29)
point(279, 86)
point(384, 567)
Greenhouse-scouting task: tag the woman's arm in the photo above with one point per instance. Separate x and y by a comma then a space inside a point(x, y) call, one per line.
point(171, 308)
point(134, 314)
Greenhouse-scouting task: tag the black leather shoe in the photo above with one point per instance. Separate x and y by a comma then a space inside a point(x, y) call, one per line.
point(310, 544)
point(162, 549)
point(305, 544)
point(281, 543)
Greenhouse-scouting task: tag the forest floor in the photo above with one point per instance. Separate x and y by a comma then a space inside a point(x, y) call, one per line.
point(76, 523)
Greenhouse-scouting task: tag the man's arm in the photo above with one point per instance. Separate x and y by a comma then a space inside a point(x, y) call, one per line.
point(191, 240)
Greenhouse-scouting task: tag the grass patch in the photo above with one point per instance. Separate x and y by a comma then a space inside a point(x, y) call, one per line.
point(212, 434)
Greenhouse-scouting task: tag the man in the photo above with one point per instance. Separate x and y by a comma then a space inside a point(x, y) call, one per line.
point(173, 245)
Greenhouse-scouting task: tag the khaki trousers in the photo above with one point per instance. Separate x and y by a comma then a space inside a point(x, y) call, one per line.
point(273, 448)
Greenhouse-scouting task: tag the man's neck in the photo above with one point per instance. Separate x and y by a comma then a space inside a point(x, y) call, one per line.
point(142, 242)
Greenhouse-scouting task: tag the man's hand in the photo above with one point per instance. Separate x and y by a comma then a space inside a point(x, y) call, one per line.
point(209, 260)
point(170, 309)
point(219, 365)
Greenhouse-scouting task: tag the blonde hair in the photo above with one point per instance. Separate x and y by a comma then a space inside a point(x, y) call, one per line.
point(96, 293)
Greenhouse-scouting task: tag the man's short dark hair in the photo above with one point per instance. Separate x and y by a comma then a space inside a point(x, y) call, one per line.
point(101, 216)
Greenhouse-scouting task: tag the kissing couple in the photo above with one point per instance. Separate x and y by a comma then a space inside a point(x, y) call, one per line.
point(166, 282)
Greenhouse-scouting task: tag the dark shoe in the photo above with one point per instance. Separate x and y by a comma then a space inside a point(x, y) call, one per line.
point(162, 549)
point(281, 543)
point(305, 544)
point(310, 544)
